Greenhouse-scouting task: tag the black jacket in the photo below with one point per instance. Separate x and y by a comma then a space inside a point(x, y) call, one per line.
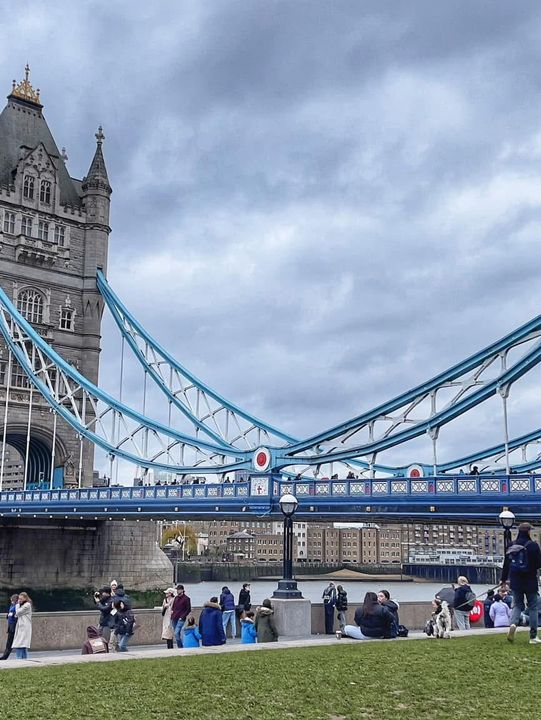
point(341, 601)
point(525, 582)
point(461, 602)
point(244, 599)
point(392, 607)
point(378, 624)
point(105, 606)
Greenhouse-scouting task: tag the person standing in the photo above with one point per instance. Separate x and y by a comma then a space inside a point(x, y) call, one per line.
point(264, 623)
point(245, 601)
point(500, 613)
point(124, 624)
point(463, 603)
point(104, 603)
point(341, 606)
point(211, 625)
point(227, 603)
point(22, 639)
point(167, 629)
point(329, 603)
point(12, 622)
point(182, 607)
point(522, 561)
point(487, 604)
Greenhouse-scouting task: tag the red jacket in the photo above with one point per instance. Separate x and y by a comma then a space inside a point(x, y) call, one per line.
point(182, 607)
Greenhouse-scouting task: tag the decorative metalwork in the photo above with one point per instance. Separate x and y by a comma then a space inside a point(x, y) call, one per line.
point(488, 486)
point(445, 486)
point(302, 489)
point(322, 489)
point(380, 488)
point(399, 486)
point(467, 486)
point(24, 89)
point(517, 486)
point(339, 488)
point(419, 486)
point(357, 488)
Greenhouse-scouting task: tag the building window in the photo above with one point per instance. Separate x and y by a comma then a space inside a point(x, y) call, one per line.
point(45, 192)
point(66, 318)
point(30, 305)
point(28, 187)
point(2, 372)
point(59, 235)
point(9, 222)
point(43, 230)
point(19, 378)
point(26, 226)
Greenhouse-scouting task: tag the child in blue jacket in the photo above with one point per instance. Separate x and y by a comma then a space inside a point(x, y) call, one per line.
point(248, 631)
point(191, 636)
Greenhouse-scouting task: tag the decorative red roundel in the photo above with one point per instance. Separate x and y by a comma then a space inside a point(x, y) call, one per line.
point(415, 471)
point(262, 459)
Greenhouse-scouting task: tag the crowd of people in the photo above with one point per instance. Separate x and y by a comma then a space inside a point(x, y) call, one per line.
point(514, 602)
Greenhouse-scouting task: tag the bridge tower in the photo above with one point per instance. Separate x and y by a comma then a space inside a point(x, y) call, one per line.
point(54, 232)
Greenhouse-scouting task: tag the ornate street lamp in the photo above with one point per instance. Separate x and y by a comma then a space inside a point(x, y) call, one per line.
point(507, 520)
point(287, 587)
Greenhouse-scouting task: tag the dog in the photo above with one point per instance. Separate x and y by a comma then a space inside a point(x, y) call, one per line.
point(442, 619)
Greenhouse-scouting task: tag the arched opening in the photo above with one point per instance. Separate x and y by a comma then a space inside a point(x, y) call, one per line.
point(39, 461)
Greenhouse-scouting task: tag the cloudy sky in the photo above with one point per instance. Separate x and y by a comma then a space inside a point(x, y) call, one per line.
point(317, 205)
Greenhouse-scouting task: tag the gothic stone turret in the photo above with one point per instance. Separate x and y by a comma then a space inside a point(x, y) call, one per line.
point(54, 233)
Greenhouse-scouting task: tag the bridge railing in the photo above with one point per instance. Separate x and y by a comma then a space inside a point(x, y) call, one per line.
point(431, 487)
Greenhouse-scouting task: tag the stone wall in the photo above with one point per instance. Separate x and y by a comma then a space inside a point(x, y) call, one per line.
point(67, 630)
point(81, 554)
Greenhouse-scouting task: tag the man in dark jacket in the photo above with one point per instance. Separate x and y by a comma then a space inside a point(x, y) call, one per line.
point(329, 603)
point(182, 607)
point(227, 603)
point(104, 603)
point(12, 622)
point(522, 561)
point(211, 624)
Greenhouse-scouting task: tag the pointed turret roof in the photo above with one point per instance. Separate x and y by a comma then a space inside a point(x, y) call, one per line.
point(22, 128)
point(97, 173)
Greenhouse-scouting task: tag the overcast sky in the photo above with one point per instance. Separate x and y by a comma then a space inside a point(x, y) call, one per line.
point(316, 204)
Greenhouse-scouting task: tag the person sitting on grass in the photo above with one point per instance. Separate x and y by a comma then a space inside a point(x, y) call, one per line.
point(191, 635)
point(94, 644)
point(211, 624)
point(264, 623)
point(248, 633)
point(372, 620)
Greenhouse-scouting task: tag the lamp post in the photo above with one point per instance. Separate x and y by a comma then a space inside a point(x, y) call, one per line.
point(287, 587)
point(507, 520)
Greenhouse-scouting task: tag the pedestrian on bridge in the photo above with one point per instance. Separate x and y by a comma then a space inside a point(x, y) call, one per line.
point(23, 630)
point(522, 561)
point(12, 622)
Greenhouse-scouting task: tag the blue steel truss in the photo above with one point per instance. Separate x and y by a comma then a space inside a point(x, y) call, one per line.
point(232, 435)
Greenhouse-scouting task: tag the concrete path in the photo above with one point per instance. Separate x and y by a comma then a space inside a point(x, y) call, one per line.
point(71, 657)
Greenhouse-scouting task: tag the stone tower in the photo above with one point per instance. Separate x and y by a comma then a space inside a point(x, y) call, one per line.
point(54, 234)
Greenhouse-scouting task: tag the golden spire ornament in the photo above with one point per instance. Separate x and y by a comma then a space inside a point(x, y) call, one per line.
point(24, 89)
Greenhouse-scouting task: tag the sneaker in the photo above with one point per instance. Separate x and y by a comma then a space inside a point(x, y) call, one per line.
point(535, 641)
point(511, 633)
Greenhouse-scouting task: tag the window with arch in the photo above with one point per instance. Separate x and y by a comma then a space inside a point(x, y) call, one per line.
point(28, 187)
point(45, 192)
point(26, 226)
point(67, 316)
point(30, 303)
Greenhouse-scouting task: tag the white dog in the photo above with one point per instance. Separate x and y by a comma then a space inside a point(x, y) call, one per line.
point(442, 619)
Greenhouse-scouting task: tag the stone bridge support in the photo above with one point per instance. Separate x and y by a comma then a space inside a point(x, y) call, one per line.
point(53, 554)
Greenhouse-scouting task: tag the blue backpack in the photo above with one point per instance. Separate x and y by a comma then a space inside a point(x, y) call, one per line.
point(518, 557)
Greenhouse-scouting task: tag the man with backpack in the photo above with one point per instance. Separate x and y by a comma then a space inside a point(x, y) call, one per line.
point(522, 561)
point(463, 603)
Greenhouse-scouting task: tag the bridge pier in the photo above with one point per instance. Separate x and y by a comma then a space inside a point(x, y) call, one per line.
point(80, 554)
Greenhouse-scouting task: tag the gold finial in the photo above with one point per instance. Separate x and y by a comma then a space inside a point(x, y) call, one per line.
point(24, 89)
point(100, 137)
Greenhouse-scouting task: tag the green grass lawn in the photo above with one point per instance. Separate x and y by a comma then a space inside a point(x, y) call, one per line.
point(472, 678)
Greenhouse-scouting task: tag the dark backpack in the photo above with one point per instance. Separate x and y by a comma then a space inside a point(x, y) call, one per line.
point(518, 557)
point(469, 602)
point(403, 631)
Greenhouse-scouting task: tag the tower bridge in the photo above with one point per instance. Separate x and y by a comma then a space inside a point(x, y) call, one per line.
point(57, 419)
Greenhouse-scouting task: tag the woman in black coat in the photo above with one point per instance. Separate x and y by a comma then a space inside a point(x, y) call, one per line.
point(372, 620)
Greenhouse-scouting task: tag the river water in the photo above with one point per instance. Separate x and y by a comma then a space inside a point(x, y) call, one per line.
point(312, 590)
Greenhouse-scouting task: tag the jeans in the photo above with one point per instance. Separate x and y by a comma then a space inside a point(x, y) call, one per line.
point(228, 616)
point(462, 619)
point(21, 653)
point(342, 619)
point(177, 629)
point(353, 631)
point(532, 598)
point(123, 642)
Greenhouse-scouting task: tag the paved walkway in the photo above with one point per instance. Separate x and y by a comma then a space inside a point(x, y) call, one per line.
point(71, 657)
